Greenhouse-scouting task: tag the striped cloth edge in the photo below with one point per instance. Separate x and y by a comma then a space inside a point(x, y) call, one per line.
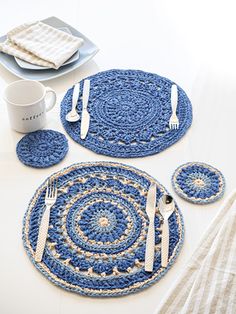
point(208, 283)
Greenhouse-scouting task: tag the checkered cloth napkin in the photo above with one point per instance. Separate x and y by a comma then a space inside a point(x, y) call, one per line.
point(208, 282)
point(41, 44)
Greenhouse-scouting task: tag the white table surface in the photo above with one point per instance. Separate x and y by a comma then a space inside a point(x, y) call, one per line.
point(190, 42)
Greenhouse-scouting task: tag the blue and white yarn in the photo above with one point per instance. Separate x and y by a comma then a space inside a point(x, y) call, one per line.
point(129, 114)
point(98, 228)
point(42, 148)
point(198, 183)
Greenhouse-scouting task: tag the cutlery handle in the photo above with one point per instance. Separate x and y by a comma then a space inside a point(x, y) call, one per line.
point(86, 89)
point(42, 235)
point(75, 96)
point(73, 107)
point(174, 97)
point(150, 247)
point(165, 243)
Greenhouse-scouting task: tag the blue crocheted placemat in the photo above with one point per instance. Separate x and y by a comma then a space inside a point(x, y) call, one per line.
point(98, 228)
point(198, 183)
point(130, 112)
point(42, 148)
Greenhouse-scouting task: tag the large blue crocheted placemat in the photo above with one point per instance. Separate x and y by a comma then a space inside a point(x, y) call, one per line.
point(198, 182)
point(98, 228)
point(130, 112)
point(42, 148)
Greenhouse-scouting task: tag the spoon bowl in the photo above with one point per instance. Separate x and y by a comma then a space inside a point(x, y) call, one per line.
point(72, 116)
point(166, 206)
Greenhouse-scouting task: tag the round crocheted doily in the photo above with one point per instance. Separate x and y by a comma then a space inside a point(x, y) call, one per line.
point(42, 148)
point(98, 228)
point(130, 112)
point(198, 183)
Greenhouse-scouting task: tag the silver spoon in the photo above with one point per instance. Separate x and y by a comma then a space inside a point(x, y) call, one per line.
point(166, 208)
point(73, 115)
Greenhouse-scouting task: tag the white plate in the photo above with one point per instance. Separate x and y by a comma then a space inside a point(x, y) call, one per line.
point(87, 51)
point(26, 65)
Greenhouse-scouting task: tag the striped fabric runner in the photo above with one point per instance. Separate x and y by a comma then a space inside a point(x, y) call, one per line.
point(208, 284)
point(41, 44)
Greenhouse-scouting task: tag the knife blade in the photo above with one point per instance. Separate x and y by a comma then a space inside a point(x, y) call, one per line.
point(150, 243)
point(85, 117)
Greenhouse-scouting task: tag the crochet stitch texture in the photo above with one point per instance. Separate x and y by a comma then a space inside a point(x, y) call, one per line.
point(130, 112)
point(198, 183)
point(42, 148)
point(98, 228)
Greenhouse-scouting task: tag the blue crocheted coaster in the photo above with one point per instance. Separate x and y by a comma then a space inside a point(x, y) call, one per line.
point(42, 148)
point(98, 229)
point(130, 112)
point(198, 183)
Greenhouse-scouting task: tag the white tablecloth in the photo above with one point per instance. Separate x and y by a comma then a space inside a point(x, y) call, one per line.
point(190, 42)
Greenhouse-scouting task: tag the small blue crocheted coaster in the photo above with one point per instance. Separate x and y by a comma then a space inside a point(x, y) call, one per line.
point(198, 183)
point(42, 148)
point(98, 228)
point(130, 112)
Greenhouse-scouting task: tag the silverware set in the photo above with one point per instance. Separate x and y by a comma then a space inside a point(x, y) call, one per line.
point(166, 207)
point(73, 116)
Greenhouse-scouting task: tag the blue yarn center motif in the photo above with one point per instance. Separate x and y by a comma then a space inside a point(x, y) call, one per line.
point(42, 148)
point(103, 222)
point(127, 110)
point(198, 182)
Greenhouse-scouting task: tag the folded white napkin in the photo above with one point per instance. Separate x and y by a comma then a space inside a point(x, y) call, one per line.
point(41, 44)
point(208, 282)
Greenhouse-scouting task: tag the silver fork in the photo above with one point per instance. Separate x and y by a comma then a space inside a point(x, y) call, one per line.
point(174, 121)
point(50, 199)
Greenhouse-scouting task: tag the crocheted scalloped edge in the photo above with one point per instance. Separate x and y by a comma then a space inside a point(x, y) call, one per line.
point(193, 200)
point(92, 294)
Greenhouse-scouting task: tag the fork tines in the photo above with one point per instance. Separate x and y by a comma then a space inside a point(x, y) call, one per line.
point(51, 190)
point(174, 121)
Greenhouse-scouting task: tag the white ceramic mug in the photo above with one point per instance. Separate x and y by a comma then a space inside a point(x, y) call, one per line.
point(27, 105)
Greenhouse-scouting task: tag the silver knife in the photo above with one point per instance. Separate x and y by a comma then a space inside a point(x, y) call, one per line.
point(85, 117)
point(150, 244)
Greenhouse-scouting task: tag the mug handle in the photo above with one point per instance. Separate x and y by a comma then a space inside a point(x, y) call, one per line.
point(53, 99)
